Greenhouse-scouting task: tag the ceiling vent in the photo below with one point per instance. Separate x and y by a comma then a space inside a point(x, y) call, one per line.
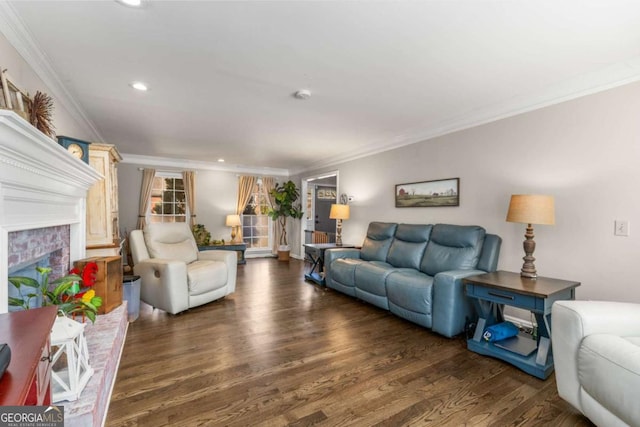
point(302, 94)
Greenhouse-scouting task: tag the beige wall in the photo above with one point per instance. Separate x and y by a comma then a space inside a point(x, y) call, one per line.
point(26, 80)
point(585, 152)
point(216, 195)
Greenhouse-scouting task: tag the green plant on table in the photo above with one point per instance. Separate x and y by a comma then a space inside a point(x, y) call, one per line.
point(201, 234)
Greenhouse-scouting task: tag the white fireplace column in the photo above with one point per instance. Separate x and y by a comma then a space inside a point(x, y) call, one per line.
point(41, 185)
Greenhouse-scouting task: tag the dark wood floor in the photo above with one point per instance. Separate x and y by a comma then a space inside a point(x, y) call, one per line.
point(281, 351)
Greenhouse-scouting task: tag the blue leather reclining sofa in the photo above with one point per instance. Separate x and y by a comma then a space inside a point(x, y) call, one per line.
point(416, 271)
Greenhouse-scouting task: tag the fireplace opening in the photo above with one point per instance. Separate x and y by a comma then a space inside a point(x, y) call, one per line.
point(24, 291)
point(40, 247)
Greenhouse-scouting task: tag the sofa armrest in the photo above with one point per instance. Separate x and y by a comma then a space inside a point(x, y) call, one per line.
point(138, 247)
point(333, 254)
point(571, 322)
point(216, 255)
point(330, 255)
point(164, 284)
point(451, 306)
point(230, 258)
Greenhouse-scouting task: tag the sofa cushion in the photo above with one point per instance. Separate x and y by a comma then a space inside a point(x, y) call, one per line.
point(206, 275)
point(408, 245)
point(172, 241)
point(343, 270)
point(609, 371)
point(452, 247)
point(411, 290)
point(371, 277)
point(376, 244)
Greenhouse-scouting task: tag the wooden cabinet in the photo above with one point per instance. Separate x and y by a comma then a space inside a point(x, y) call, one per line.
point(108, 284)
point(27, 380)
point(103, 236)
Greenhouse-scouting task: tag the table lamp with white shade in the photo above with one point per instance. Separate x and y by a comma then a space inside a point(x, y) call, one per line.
point(339, 212)
point(531, 209)
point(233, 221)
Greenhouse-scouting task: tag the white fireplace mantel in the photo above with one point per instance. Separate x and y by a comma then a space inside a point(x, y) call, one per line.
point(41, 185)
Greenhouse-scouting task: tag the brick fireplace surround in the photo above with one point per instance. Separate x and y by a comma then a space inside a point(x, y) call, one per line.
point(43, 194)
point(25, 246)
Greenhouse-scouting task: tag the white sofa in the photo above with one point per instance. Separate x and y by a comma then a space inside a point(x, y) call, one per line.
point(596, 350)
point(175, 275)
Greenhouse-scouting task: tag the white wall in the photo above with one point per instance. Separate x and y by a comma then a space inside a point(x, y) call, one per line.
point(216, 195)
point(585, 152)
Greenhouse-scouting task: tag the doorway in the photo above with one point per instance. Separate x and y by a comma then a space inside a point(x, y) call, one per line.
point(319, 193)
point(325, 196)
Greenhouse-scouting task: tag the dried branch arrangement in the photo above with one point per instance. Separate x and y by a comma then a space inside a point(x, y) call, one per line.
point(41, 111)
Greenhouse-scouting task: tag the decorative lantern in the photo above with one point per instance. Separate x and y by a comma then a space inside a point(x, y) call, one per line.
point(70, 371)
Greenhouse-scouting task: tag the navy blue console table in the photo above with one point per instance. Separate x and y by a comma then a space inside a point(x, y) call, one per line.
point(492, 291)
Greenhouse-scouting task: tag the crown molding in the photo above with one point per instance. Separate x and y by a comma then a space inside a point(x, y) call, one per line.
point(609, 77)
point(181, 164)
point(20, 38)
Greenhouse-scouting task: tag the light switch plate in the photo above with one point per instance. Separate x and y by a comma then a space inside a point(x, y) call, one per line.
point(621, 228)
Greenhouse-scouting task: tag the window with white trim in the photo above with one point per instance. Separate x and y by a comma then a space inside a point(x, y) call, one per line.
point(256, 224)
point(168, 201)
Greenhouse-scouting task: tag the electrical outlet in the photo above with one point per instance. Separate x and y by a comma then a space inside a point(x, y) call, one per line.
point(621, 228)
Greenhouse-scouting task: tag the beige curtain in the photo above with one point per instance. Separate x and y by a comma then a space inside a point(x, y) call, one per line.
point(245, 188)
point(189, 180)
point(145, 195)
point(269, 184)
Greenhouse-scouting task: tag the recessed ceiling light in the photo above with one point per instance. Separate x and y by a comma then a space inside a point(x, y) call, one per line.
point(220, 160)
point(139, 86)
point(132, 3)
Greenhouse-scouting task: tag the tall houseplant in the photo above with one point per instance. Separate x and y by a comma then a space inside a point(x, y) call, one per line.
point(285, 197)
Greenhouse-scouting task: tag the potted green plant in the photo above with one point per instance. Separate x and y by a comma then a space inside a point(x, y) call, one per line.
point(286, 206)
point(72, 293)
point(201, 234)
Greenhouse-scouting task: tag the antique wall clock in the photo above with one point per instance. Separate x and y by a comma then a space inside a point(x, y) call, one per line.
point(76, 147)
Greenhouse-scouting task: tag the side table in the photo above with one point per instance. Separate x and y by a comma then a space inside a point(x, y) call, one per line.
point(27, 380)
point(314, 253)
point(240, 249)
point(492, 291)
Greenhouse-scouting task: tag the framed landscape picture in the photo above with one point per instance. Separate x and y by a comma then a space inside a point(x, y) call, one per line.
point(426, 194)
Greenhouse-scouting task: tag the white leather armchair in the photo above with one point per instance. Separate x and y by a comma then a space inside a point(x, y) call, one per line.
point(596, 351)
point(175, 275)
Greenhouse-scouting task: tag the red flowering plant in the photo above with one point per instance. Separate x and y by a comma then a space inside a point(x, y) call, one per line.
point(72, 293)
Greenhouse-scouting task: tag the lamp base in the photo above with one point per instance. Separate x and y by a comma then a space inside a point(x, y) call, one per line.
point(529, 267)
point(528, 275)
point(339, 232)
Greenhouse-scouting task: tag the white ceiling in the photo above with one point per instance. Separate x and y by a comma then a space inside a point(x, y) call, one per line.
point(382, 74)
